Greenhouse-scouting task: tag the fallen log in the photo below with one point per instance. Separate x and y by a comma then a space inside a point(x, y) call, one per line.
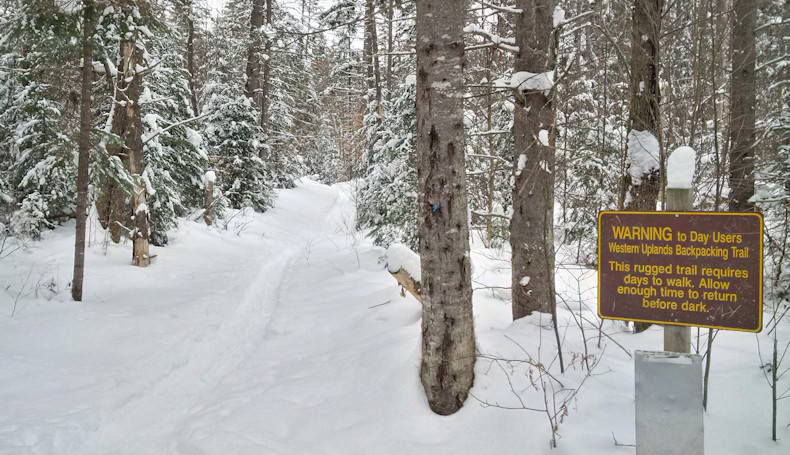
point(404, 265)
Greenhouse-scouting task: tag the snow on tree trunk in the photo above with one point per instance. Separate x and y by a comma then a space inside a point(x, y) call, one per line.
point(643, 181)
point(743, 101)
point(448, 342)
point(191, 67)
point(532, 225)
point(127, 124)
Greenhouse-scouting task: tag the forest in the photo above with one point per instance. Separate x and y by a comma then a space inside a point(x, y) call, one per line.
point(460, 151)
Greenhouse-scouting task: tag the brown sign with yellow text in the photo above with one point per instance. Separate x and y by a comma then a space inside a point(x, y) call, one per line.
point(685, 268)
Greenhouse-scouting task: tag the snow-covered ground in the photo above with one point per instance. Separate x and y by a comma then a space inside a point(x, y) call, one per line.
point(284, 334)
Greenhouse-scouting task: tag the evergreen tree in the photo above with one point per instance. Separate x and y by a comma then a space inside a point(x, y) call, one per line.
point(235, 138)
point(38, 121)
point(174, 156)
point(387, 194)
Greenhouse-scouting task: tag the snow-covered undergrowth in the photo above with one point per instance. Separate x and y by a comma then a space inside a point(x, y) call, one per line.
point(285, 334)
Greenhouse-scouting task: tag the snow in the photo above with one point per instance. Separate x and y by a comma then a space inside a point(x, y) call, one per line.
point(522, 163)
point(558, 16)
point(400, 256)
point(194, 138)
point(209, 176)
point(680, 167)
point(643, 153)
point(524, 81)
point(543, 136)
point(411, 79)
point(281, 333)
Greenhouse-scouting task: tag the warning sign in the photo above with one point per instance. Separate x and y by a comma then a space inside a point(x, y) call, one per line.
point(686, 268)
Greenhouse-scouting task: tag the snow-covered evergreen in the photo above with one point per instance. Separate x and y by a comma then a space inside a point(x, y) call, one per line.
point(175, 158)
point(387, 194)
point(236, 142)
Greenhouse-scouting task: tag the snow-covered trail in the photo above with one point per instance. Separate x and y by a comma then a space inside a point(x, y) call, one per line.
point(172, 367)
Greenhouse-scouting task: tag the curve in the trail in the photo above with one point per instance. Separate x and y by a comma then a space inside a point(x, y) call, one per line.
point(166, 396)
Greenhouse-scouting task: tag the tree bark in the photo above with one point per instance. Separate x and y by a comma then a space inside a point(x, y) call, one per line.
point(390, 47)
point(448, 343)
point(89, 26)
point(191, 60)
point(371, 59)
point(252, 87)
point(532, 224)
point(644, 113)
point(743, 100)
point(267, 74)
point(127, 124)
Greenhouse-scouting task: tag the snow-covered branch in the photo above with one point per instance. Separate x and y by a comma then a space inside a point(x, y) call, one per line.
point(507, 44)
point(183, 122)
point(502, 9)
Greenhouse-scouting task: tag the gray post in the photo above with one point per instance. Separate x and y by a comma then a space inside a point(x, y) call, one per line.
point(678, 338)
point(668, 403)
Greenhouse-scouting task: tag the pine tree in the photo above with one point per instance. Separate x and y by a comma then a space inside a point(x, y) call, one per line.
point(175, 159)
point(234, 136)
point(387, 194)
point(38, 124)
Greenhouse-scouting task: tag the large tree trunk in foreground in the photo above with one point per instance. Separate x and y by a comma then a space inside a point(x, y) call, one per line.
point(742, 100)
point(448, 343)
point(644, 113)
point(644, 180)
point(84, 149)
point(532, 224)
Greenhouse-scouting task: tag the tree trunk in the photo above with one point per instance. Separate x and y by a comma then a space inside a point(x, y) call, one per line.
point(191, 61)
point(371, 59)
point(532, 224)
point(127, 124)
point(84, 149)
point(743, 100)
point(252, 87)
point(644, 113)
point(390, 47)
point(448, 343)
point(267, 74)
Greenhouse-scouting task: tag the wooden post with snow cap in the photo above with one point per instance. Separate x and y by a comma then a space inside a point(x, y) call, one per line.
point(679, 198)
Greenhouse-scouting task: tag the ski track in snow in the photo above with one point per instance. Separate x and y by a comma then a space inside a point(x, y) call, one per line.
point(190, 383)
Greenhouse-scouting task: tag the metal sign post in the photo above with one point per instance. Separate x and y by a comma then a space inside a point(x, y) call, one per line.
point(668, 394)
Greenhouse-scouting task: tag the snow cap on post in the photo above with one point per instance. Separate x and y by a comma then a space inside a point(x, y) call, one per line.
point(680, 167)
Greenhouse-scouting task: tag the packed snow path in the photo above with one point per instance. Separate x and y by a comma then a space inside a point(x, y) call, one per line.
point(282, 333)
point(215, 350)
